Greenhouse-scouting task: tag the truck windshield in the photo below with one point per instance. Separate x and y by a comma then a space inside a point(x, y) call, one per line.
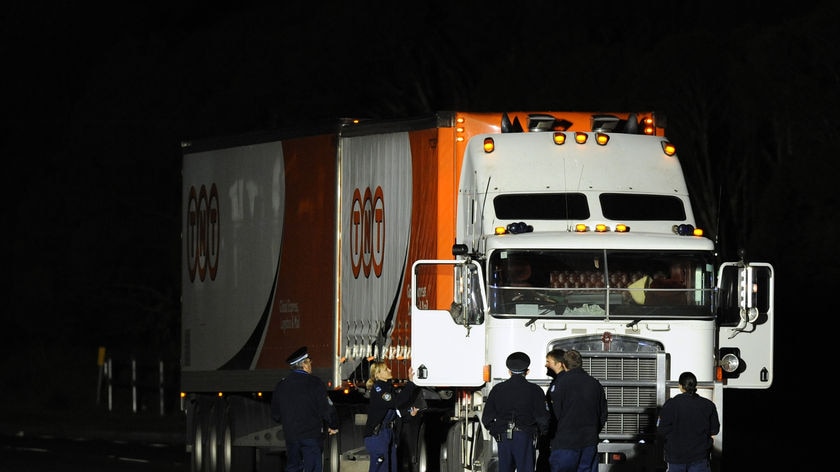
point(598, 284)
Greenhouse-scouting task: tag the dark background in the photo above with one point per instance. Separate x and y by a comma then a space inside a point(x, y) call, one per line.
point(96, 100)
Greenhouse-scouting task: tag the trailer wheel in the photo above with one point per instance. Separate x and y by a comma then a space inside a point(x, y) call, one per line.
point(215, 423)
point(199, 441)
point(234, 459)
point(332, 454)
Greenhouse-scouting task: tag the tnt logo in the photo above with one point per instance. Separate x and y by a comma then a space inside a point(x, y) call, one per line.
point(367, 232)
point(202, 233)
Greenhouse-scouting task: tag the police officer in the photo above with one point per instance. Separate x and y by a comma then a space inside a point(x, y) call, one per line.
point(515, 414)
point(688, 423)
point(385, 410)
point(301, 403)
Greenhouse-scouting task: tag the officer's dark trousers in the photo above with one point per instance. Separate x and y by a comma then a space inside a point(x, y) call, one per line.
point(517, 453)
point(382, 450)
point(304, 455)
point(574, 460)
point(697, 466)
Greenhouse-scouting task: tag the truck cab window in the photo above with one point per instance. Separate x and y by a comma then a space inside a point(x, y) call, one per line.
point(552, 283)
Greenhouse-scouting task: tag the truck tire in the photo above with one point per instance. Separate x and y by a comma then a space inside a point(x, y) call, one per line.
point(421, 460)
point(216, 419)
point(450, 453)
point(199, 438)
point(234, 459)
point(332, 453)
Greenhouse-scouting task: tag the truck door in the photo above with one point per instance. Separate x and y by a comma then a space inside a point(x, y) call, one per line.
point(448, 309)
point(745, 324)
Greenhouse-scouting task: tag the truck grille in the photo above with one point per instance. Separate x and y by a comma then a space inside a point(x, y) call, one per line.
point(632, 389)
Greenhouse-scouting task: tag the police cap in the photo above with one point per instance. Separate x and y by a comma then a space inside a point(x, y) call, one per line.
point(518, 362)
point(298, 356)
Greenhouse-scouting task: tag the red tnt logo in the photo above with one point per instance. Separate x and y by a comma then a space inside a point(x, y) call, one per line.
point(367, 232)
point(202, 233)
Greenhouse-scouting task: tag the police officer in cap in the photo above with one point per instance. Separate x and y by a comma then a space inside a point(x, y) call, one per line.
point(515, 414)
point(301, 404)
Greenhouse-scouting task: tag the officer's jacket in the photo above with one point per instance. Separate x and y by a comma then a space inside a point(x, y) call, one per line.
point(519, 401)
point(385, 401)
point(301, 403)
point(580, 407)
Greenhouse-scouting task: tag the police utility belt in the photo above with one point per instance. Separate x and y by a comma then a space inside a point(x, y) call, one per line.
point(508, 434)
point(378, 427)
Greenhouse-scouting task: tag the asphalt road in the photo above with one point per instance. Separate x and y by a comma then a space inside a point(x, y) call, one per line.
point(24, 452)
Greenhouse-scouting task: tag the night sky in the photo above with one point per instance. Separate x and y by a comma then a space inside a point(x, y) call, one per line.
point(98, 99)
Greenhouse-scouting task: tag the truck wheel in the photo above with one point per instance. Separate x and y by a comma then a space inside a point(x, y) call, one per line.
point(234, 459)
point(423, 451)
point(332, 454)
point(214, 438)
point(197, 431)
point(450, 454)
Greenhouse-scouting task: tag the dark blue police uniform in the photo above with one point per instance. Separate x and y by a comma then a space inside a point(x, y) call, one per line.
point(301, 404)
point(386, 408)
point(515, 413)
point(688, 422)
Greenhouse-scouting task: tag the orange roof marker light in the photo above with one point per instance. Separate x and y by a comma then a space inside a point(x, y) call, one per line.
point(489, 145)
point(602, 138)
point(649, 126)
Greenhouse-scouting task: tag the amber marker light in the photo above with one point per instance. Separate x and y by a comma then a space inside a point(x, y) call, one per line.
point(581, 228)
point(489, 145)
point(601, 138)
point(698, 232)
point(601, 228)
point(486, 373)
point(650, 129)
point(459, 129)
point(499, 230)
point(559, 138)
point(668, 148)
point(580, 137)
point(622, 228)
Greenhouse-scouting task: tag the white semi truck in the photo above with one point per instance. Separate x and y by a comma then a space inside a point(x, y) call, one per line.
point(445, 243)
